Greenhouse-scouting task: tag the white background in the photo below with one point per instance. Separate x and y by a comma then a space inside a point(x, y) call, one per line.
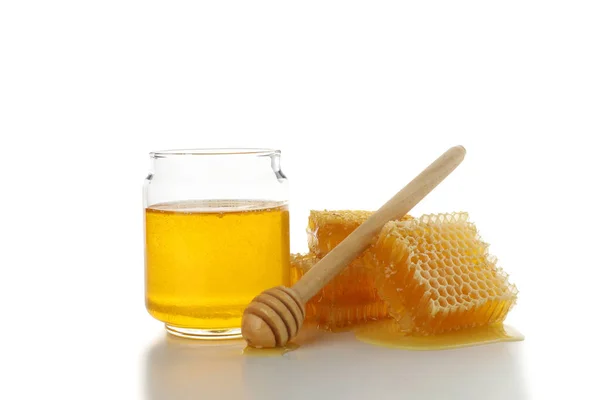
point(359, 96)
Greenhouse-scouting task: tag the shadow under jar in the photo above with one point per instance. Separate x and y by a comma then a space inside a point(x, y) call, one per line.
point(217, 234)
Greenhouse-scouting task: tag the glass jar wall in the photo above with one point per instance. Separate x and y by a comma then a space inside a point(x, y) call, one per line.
point(216, 235)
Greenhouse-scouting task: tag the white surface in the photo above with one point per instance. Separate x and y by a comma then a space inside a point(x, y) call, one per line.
point(337, 365)
point(359, 97)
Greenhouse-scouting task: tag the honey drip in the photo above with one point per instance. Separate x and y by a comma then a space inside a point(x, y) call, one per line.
point(272, 352)
point(308, 334)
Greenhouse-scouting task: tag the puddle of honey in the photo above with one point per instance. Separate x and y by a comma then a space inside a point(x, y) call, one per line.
point(309, 333)
point(274, 352)
point(388, 334)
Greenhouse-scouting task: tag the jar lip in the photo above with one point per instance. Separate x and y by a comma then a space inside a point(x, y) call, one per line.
point(222, 151)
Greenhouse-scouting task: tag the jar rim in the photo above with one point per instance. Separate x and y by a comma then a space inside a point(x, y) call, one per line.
point(216, 151)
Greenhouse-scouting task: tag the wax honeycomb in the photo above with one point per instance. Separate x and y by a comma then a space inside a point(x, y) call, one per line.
point(437, 270)
point(327, 229)
point(349, 299)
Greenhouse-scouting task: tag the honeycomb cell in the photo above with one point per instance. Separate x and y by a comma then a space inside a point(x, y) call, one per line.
point(349, 299)
point(468, 289)
point(327, 229)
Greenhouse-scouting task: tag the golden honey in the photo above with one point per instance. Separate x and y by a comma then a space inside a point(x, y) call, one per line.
point(206, 260)
point(388, 333)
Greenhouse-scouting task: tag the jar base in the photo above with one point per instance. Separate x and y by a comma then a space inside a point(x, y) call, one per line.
point(204, 334)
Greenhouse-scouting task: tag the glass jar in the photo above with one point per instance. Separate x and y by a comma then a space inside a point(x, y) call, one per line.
point(217, 234)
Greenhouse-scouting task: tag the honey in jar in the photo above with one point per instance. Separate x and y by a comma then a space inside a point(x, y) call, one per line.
point(206, 260)
point(216, 235)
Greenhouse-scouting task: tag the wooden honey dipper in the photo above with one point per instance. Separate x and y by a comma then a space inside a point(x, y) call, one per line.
point(276, 315)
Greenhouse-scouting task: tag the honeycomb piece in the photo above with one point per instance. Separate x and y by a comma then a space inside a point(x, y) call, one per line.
point(349, 299)
point(437, 270)
point(326, 229)
point(340, 317)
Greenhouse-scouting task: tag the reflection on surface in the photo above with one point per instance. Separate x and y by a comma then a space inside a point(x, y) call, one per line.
point(178, 368)
point(333, 366)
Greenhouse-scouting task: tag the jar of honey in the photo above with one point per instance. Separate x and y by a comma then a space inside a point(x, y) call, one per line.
point(216, 235)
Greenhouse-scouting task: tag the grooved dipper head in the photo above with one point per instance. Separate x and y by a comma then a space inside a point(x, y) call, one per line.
point(273, 318)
